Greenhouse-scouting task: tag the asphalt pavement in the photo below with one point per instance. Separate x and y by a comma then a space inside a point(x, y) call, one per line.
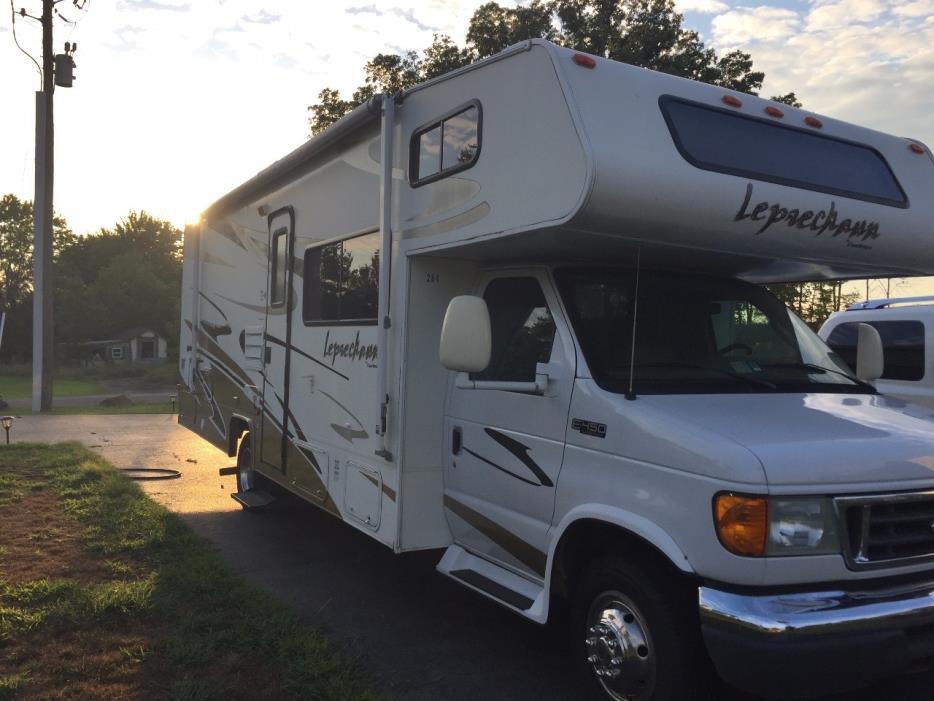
point(418, 635)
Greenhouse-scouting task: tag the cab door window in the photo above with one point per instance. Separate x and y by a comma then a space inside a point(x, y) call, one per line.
point(523, 330)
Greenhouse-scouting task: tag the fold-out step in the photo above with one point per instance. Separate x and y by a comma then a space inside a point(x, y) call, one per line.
point(253, 499)
point(493, 581)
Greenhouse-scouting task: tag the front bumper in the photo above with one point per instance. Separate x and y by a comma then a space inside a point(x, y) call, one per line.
point(808, 643)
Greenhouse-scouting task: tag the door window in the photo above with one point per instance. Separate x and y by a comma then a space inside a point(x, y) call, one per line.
point(280, 261)
point(523, 330)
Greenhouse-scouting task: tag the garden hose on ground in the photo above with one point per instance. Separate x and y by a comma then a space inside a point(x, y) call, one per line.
point(150, 473)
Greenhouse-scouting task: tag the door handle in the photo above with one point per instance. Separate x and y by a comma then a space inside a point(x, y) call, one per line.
point(268, 355)
point(456, 440)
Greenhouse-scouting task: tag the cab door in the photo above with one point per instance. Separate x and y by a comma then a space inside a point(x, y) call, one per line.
point(505, 448)
point(277, 340)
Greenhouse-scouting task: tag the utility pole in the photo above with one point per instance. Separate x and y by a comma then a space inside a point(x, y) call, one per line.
point(42, 339)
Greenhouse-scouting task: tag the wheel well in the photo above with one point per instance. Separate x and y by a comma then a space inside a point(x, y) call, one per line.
point(237, 428)
point(588, 539)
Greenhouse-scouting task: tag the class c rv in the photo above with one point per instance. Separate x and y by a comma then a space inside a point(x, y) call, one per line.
point(516, 314)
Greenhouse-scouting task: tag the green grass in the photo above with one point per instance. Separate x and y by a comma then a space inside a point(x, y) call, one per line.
point(210, 635)
point(142, 408)
point(19, 387)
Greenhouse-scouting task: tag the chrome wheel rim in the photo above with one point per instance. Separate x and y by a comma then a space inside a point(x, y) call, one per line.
point(245, 472)
point(619, 648)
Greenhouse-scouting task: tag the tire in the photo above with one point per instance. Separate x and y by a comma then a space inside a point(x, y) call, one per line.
point(246, 475)
point(634, 635)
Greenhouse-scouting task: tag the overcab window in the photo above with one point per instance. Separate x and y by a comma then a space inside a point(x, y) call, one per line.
point(446, 146)
point(342, 282)
point(713, 139)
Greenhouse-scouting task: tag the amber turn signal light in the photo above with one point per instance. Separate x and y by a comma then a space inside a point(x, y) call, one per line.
point(742, 523)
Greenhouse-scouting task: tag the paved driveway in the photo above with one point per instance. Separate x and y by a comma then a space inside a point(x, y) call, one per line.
point(419, 635)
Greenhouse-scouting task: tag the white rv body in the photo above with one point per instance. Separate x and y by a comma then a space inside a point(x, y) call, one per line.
point(572, 164)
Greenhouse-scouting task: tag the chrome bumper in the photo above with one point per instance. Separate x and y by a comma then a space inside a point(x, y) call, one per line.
point(807, 643)
point(818, 613)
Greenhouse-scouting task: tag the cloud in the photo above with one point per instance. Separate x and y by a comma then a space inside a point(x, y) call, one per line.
point(702, 6)
point(261, 17)
point(155, 5)
point(919, 9)
point(870, 62)
point(407, 14)
point(747, 24)
point(125, 38)
point(834, 15)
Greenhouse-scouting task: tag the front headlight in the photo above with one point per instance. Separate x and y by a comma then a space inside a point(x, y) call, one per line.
point(756, 526)
point(802, 526)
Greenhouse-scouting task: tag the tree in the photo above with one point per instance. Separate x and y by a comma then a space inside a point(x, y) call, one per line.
point(647, 33)
point(16, 271)
point(119, 278)
point(789, 99)
point(814, 301)
point(16, 244)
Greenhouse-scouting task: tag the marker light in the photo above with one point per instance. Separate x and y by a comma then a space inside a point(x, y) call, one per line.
point(742, 523)
point(584, 61)
point(774, 112)
point(916, 148)
point(813, 122)
point(732, 101)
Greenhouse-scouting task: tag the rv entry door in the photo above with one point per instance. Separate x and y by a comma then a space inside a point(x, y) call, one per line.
point(505, 448)
point(280, 299)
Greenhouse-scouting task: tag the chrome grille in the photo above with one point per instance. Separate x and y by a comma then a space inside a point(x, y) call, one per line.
point(888, 529)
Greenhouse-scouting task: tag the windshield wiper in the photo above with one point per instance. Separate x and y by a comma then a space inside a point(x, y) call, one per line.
point(755, 381)
point(820, 368)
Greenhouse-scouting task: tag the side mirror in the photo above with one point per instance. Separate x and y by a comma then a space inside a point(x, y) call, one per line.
point(870, 357)
point(466, 337)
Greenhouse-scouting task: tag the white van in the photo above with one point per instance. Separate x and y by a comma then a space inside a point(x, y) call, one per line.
point(906, 326)
point(511, 314)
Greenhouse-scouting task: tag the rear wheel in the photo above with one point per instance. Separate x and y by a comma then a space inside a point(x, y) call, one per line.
point(634, 636)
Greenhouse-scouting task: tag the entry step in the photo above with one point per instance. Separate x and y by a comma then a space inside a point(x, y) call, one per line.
point(254, 499)
point(495, 582)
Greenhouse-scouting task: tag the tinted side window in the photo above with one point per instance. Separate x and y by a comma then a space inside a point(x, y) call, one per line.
point(359, 282)
point(903, 342)
point(445, 147)
point(523, 330)
point(279, 272)
point(341, 281)
point(726, 142)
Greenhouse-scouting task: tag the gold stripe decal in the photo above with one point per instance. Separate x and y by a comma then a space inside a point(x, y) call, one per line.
point(531, 557)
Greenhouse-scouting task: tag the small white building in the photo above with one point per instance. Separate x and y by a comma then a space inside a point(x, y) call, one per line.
point(136, 345)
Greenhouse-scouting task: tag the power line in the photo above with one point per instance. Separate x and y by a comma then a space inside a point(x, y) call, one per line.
point(16, 41)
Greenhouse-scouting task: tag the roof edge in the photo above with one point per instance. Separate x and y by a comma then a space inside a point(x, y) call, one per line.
point(266, 179)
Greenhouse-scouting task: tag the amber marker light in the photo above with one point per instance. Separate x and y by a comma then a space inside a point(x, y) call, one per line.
point(774, 112)
point(813, 122)
point(917, 148)
point(732, 101)
point(742, 523)
point(584, 61)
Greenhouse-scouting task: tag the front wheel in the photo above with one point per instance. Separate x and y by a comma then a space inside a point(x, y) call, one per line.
point(634, 636)
point(246, 475)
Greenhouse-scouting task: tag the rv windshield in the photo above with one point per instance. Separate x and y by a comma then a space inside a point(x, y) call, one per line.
point(696, 335)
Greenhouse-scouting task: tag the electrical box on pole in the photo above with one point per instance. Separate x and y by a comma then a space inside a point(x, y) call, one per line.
point(64, 70)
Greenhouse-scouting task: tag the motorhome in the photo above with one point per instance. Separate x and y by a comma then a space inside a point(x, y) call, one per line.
point(906, 326)
point(515, 314)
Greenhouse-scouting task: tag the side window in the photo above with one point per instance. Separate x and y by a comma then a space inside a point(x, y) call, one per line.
point(446, 146)
point(341, 282)
point(280, 261)
point(903, 342)
point(523, 330)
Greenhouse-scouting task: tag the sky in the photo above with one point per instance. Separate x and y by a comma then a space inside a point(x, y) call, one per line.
point(177, 101)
